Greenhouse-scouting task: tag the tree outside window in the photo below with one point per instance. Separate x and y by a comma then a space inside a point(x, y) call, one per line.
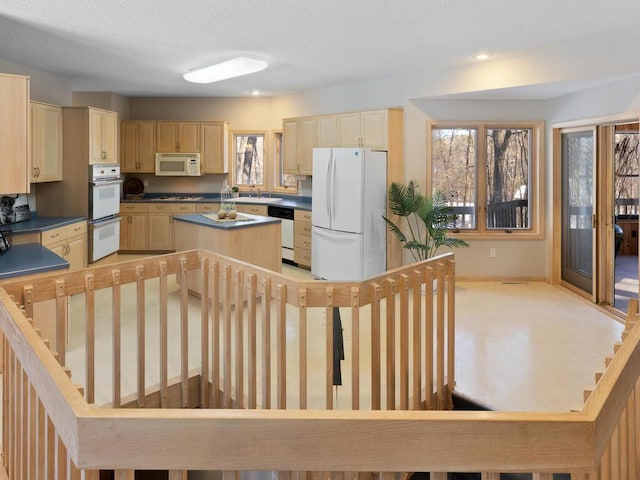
point(486, 174)
point(249, 159)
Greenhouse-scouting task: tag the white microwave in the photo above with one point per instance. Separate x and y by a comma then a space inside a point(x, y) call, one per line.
point(178, 164)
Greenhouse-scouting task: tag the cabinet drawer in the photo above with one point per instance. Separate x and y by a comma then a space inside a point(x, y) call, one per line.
point(207, 207)
point(302, 215)
point(253, 209)
point(161, 208)
point(302, 256)
point(302, 228)
point(134, 207)
point(76, 229)
point(54, 235)
point(184, 208)
point(302, 241)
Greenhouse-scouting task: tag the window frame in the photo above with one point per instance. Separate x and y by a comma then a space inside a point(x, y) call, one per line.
point(277, 165)
point(536, 183)
point(233, 154)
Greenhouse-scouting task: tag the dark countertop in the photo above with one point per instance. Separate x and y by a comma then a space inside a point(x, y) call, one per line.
point(28, 259)
point(292, 201)
point(200, 219)
point(40, 224)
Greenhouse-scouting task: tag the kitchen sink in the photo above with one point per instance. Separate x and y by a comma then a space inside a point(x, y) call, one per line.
point(256, 199)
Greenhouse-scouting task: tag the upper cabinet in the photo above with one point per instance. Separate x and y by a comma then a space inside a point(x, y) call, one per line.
point(327, 131)
point(14, 133)
point(103, 135)
point(300, 137)
point(137, 146)
point(46, 142)
point(214, 142)
point(181, 137)
point(90, 133)
point(368, 129)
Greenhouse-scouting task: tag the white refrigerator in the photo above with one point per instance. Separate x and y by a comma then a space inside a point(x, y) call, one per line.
point(349, 192)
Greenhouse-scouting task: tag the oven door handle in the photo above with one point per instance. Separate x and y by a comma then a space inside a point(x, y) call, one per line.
point(107, 182)
point(105, 221)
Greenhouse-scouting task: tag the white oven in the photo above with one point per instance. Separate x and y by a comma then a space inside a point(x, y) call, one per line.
point(104, 207)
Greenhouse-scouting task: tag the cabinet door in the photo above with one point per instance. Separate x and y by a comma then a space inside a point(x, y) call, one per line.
point(374, 129)
point(167, 137)
point(348, 125)
point(160, 231)
point(109, 136)
point(290, 146)
point(213, 155)
point(307, 141)
point(146, 147)
point(46, 143)
point(125, 228)
point(129, 146)
point(76, 253)
point(189, 137)
point(327, 131)
point(138, 230)
point(14, 134)
point(96, 154)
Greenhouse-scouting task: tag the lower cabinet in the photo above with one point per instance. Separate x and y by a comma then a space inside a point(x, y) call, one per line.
point(68, 242)
point(302, 238)
point(134, 227)
point(252, 209)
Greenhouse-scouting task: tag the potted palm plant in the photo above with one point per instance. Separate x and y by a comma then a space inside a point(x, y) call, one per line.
point(428, 220)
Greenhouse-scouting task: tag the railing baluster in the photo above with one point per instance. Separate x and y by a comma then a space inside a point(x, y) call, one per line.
point(404, 341)
point(216, 358)
point(416, 300)
point(302, 340)
point(140, 335)
point(117, 359)
point(204, 333)
point(42, 441)
point(266, 343)
point(375, 348)
point(164, 371)
point(428, 337)
point(355, 348)
point(390, 344)
point(226, 362)
point(90, 337)
point(184, 334)
point(33, 431)
point(281, 379)
point(61, 321)
point(252, 335)
point(329, 348)
point(451, 330)
point(239, 327)
point(440, 342)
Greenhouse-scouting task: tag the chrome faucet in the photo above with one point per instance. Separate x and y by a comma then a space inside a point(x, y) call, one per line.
point(255, 190)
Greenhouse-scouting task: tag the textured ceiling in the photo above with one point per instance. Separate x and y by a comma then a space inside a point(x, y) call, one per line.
point(142, 47)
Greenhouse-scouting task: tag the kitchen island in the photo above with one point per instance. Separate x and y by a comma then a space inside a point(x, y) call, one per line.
point(251, 238)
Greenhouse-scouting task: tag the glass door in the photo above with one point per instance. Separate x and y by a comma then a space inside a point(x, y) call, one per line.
point(578, 210)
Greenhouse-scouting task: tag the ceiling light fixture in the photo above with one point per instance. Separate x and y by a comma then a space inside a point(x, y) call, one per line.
point(255, 93)
point(235, 67)
point(481, 56)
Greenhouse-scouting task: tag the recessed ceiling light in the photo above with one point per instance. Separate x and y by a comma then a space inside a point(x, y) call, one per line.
point(235, 67)
point(255, 93)
point(481, 56)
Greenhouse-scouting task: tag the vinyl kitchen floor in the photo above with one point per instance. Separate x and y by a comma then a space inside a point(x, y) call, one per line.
point(519, 347)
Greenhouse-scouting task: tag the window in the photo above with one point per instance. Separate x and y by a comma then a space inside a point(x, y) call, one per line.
point(248, 159)
point(283, 182)
point(489, 174)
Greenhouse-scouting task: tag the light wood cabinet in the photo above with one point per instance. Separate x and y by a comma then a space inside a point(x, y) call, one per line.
point(182, 137)
point(134, 227)
point(302, 238)
point(207, 207)
point(14, 134)
point(213, 155)
point(290, 146)
point(367, 129)
point(327, 131)
point(103, 136)
point(137, 146)
point(68, 242)
point(300, 138)
point(46, 142)
point(252, 209)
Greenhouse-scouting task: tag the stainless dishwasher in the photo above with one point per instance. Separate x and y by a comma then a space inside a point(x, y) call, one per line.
point(285, 214)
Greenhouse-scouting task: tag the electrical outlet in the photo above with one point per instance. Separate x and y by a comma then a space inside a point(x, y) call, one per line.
point(492, 253)
point(145, 183)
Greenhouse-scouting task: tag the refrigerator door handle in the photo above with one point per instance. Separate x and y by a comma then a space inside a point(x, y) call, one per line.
point(332, 180)
point(329, 189)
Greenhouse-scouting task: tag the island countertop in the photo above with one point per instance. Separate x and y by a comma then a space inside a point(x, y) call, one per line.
point(29, 259)
point(204, 221)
